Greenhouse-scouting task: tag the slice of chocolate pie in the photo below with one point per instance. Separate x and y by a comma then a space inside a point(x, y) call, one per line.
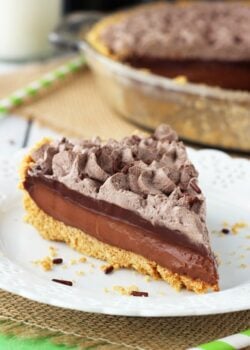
point(134, 203)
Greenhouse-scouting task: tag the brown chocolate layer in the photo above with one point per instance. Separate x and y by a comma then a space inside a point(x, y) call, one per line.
point(107, 223)
point(227, 75)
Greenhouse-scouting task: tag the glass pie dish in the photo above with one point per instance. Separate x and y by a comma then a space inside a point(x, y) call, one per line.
point(201, 114)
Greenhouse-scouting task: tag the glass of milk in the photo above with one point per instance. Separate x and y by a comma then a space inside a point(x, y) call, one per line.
point(24, 28)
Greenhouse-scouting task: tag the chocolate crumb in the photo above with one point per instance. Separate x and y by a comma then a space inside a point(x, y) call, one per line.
point(225, 231)
point(108, 269)
point(192, 199)
point(67, 283)
point(139, 294)
point(124, 170)
point(195, 187)
point(57, 261)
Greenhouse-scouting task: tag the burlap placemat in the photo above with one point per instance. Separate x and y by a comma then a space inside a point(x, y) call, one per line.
point(74, 107)
point(172, 333)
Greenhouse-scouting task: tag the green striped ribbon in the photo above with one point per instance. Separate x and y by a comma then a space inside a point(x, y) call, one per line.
point(233, 342)
point(31, 90)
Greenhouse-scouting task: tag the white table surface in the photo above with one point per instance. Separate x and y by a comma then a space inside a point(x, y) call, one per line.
point(16, 133)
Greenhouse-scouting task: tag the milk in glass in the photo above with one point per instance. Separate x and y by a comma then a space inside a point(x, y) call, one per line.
point(24, 27)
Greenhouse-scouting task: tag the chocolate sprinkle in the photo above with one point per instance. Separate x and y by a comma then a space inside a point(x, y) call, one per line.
point(67, 283)
point(57, 261)
point(124, 170)
point(139, 294)
point(108, 269)
point(195, 187)
point(225, 231)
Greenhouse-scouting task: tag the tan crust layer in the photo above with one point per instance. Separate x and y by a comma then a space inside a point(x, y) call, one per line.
point(52, 229)
point(93, 36)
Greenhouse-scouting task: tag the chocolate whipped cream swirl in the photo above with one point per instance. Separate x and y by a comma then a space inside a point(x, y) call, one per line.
point(150, 176)
point(199, 30)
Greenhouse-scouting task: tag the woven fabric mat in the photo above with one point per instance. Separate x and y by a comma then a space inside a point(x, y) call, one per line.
point(74, 107)
point(172, 333)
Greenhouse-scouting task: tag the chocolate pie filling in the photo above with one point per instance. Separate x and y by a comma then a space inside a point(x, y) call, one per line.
point(227, 75)
point(122, 228)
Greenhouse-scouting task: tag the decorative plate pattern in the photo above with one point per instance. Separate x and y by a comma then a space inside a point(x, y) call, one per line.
point(226, 184)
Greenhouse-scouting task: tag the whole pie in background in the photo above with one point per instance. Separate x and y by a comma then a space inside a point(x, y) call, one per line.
point(207, 42)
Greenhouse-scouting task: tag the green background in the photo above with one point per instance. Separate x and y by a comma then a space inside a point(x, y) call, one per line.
point(14, 343)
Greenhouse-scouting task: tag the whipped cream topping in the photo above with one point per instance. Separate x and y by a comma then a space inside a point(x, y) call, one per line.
point(204, 30)
point(151, 176)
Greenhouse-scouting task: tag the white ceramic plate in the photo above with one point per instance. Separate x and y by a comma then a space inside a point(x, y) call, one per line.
point(226, 184)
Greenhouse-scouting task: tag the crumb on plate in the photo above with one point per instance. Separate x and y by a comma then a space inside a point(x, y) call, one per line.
point(125, 290)
point(53, 251)
point(72, 262)
point(80, 273)
point(46, 263)
point(237, 226)
point(82, 259)
point(161, 293)
point(242, 266)
point(130, 290)
point(218, 258)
